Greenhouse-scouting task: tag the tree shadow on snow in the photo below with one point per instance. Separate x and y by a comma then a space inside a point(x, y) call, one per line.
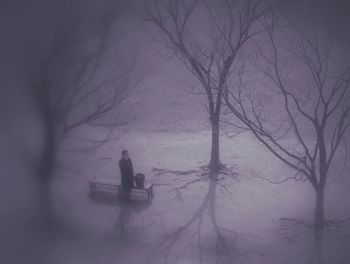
point(330, 245)
point(173, 246)
point(319, 247)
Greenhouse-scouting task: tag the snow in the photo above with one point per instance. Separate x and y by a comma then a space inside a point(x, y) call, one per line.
point(247, 208)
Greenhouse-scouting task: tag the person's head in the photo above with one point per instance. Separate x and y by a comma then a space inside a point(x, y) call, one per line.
point(125, 154)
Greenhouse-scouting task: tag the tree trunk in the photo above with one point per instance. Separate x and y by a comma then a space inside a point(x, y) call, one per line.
point(42, 92)
point(48, 154)
point(215, 164)
point(319, 218)
point(46, 167)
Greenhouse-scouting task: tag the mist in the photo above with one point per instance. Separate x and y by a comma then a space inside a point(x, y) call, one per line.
point(237, 113)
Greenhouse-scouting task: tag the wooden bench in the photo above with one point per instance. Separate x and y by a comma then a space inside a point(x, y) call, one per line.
point(114, 186)
point(147, 189)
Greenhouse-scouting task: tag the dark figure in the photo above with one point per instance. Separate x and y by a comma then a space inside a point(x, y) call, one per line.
point(127, 172)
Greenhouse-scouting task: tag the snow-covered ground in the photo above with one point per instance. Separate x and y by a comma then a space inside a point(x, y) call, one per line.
point(238, 218)
point(191, 219)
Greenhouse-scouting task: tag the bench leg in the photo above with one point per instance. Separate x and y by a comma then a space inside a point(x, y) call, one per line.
point(92, 189)
point(150, 193)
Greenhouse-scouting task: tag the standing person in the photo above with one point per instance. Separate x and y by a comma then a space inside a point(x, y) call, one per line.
point(127, 172)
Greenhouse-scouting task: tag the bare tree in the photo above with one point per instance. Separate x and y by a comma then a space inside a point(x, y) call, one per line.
point(210, 52)
point(45, 44)
point(310, 77)
point(80, 83)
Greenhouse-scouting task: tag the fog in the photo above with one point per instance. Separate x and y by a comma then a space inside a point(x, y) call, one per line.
point(83, 80)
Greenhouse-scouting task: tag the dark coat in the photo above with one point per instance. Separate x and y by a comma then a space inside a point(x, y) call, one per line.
point(127, 174)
